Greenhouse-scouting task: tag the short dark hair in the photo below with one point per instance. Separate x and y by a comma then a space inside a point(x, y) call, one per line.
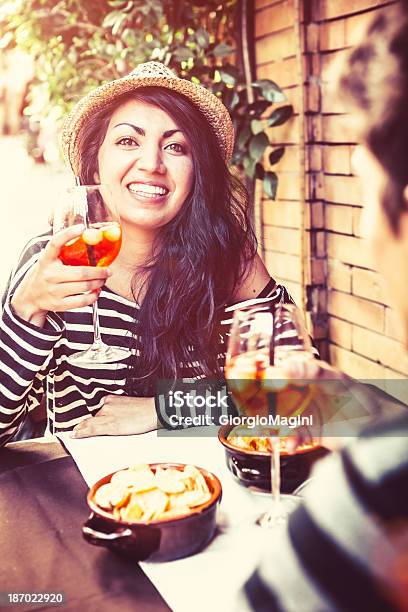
point(375, 80)
point(204, 251)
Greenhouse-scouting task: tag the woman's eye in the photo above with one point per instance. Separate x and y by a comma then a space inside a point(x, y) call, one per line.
point(127, 141)
point(178, 148)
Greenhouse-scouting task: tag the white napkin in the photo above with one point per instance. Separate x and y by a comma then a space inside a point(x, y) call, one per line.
point(211, 578)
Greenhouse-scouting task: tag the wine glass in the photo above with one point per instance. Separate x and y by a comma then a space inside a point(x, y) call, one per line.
point(262, 337)
point(98, 245)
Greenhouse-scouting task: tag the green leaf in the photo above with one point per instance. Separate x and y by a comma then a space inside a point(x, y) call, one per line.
point(270, 90)
point(183, 53)
point(258, 107)
point(270, 184)
point(243, 137)
point(234, 101)
point(222, 50)
point(257, 146)
point(276, 155)
point(249, 167)
point(280, 115)
point(118, 24)
point(128, 37)
point(111, 18)
point(256, 126)
point(202, 38)
point(128, 7)
point(227, 78)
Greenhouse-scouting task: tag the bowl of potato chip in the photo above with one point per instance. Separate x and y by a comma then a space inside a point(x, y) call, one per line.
point(155, 512)
point(248, 458)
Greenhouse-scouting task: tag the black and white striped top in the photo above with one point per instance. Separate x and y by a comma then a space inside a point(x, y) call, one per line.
point(345, 547)
point(33, 360)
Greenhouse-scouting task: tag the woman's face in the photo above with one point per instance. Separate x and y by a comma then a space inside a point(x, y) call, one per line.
point(146, 160)
point(389, 252)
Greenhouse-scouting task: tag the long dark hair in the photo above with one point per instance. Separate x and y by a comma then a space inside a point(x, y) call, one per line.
point(203, 253)
point(375, 80)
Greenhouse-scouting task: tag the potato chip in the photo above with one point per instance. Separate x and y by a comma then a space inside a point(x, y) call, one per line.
point(176, 500)
point(169, 481)
point(239, 438)
point(196, 498)
point(188, 498)
point(117, 493)
point(154, 503)
point(140, 467)
point(138, 480)
point(103, 496)
point(189, 483)
point(193, 472)
point(133, 512)
point(175, 512)
point(118, 513)
point(123, 500)
point(122, 478)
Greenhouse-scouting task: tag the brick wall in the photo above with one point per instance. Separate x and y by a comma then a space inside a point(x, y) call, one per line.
point(350, 313)
point(275, 51)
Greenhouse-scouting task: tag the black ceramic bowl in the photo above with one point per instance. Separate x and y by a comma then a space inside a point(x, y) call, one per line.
point(253, 469)
point(160, 540)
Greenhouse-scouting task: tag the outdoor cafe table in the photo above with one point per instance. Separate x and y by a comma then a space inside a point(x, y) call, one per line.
point(42, 508)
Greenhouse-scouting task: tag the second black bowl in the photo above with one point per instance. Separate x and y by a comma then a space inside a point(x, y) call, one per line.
point(253, 469)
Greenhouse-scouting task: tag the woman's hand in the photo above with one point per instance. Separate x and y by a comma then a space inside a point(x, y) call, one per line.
point(51, 286)
point(120, 415)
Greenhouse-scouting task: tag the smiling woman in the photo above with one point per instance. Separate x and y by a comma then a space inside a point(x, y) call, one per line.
point(162, 144)
point(148, 166)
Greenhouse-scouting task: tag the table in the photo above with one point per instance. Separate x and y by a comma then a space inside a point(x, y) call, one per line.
point(42, 507)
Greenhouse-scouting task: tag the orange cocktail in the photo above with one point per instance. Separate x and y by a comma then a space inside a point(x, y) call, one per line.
point(98, 245)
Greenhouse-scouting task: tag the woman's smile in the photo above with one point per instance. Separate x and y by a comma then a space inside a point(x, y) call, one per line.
point(148, 191)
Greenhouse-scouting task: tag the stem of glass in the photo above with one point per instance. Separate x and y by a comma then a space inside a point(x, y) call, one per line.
point(275, 470)
point(95, 318)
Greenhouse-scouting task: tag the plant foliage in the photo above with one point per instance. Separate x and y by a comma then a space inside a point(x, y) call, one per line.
point(79, 44)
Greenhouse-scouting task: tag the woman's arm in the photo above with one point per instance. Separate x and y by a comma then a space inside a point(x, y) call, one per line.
point(120, 415)
point(25, 350)
point(29, 328)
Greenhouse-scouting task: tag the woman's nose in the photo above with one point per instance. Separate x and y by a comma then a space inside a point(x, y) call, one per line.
point(149, 159)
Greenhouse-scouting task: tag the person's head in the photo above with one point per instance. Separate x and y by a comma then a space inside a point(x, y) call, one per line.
point(162, 145)
point(375, 81)
point(181, 137)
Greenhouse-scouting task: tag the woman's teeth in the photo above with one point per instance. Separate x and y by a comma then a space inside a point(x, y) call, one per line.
point(149, 191)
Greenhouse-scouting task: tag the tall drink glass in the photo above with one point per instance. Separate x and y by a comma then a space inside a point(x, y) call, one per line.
point(261, 339)
point(98, 245)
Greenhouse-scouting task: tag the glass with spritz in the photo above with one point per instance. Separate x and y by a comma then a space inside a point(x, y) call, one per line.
point(98, 245)
point(262, 337)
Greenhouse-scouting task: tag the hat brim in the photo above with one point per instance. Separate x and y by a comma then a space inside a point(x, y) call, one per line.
point(210, 106)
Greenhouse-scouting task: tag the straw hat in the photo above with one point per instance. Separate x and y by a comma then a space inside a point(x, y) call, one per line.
point(150, 74)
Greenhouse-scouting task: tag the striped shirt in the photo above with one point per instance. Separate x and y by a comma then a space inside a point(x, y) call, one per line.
point(33, 360)
point(345, 548)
